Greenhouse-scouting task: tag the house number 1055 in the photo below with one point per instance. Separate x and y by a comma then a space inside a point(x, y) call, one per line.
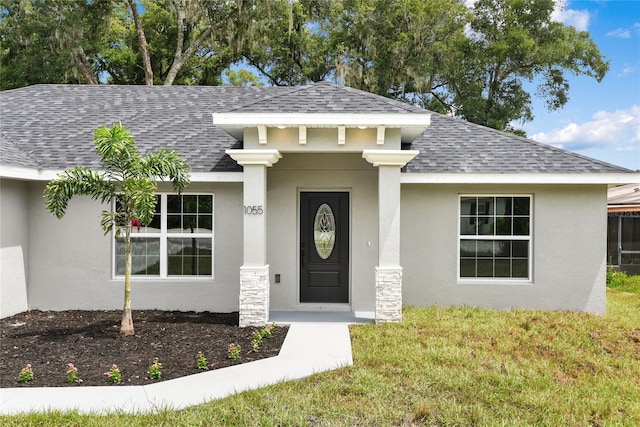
point(253, 210)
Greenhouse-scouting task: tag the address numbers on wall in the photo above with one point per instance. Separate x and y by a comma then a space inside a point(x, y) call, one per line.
point(253, 210)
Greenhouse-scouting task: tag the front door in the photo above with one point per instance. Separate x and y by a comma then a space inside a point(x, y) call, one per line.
point(324, 247)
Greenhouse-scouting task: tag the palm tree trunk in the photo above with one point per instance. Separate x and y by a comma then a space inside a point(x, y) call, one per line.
point(126, 326)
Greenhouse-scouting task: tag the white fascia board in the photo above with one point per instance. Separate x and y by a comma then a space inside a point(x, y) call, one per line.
point(27, 174)
point(217, 177)
point(519, 178)
point(241, 120)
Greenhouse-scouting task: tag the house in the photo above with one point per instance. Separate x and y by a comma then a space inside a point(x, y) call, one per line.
point(318, 197)
point(623, 228)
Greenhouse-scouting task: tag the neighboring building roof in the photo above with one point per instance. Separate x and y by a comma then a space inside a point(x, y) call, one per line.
point(51, 127)
point(624, 198)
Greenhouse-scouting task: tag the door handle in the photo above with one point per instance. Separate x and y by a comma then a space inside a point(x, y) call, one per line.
point(302, 254)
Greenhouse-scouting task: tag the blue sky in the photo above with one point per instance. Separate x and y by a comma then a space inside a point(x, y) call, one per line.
point(601, 120)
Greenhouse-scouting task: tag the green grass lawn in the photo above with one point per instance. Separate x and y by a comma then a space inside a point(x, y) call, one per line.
point(447, 366)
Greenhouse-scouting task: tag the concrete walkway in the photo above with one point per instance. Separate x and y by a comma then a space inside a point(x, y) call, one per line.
point(310, 347)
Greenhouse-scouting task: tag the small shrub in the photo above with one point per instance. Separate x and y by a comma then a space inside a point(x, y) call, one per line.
point(233, 351)
point(155, 370)
point(114, 375)
point(256, 340)
point(72, 374)
point(267, 331)
point(201, 361)
point(26, 374)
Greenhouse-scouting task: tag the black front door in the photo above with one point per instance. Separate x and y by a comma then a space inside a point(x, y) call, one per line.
point(324, 247)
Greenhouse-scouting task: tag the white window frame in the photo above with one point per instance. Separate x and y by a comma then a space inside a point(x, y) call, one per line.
point(163, 235)
point(529, 238)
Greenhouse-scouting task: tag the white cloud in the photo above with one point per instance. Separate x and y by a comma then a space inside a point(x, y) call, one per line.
point(626, 70)
point(625, 33)
point(576, 18)
point(618, 130)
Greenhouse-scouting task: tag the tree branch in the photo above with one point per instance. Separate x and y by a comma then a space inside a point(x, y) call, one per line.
point(144, 47)
point(80, 59)
point(180, 57)
point(263, 71)
point(179, 60)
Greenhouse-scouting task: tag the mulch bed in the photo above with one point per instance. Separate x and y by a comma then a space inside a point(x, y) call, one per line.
point(49, 340)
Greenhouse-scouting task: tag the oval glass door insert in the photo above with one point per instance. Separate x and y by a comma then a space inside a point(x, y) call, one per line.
point(324, 231)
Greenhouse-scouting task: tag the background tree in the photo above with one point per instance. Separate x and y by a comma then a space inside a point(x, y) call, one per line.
point(53, 41)
point(177, 41)
point(290, 46)
point(127, 178)
point(511, 42)
point(472, 62)
point(242, 77)
point(396, 48)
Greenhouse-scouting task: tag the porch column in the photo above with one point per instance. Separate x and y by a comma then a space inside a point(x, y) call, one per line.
point(388, 271)
point(254, 273)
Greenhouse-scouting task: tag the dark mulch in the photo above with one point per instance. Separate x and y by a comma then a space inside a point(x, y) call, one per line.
point(49, 340)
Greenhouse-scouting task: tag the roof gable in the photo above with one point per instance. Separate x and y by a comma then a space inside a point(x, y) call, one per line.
point(325, 98)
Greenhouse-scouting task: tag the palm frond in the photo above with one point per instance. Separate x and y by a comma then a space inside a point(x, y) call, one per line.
point(117, 149)
point(165, 163)
point(141, 197)
point(78, 181)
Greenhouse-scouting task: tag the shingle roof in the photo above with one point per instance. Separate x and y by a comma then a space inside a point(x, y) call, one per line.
point(323, 98)
point(51, 127)
point(452, 145)
point(55, 123)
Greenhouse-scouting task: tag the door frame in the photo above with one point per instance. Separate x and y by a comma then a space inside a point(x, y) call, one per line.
point(336, 306)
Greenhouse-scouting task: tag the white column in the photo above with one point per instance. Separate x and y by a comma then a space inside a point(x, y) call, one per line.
point(388, 274)
point(254, 273)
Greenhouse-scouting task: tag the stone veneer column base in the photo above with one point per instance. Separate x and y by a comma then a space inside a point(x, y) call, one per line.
point(254, 296)
point(388, 294)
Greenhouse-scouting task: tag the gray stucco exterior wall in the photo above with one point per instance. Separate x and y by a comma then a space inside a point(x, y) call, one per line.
point(68, 263)
point(71, 260)
point(14, 246)
point(569, 270)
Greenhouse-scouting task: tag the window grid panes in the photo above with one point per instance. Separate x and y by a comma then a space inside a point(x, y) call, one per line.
point(189, 213)
point(189, 257)
point(145, 256)
point(178, 242)
point(495, 237)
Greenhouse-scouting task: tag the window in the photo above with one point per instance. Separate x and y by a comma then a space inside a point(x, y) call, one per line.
point(177, 242)
point(495, 237)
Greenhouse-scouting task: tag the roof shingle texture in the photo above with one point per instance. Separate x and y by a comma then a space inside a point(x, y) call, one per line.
point(51, 127)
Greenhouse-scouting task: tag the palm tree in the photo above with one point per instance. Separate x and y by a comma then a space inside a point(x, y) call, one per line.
point(129, 179)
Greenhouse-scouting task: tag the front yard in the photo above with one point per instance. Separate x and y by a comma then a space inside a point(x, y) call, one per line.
point(447, 366)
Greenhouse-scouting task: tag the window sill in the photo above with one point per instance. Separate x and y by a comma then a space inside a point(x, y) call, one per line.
point(166, 279)
point(495, 281)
